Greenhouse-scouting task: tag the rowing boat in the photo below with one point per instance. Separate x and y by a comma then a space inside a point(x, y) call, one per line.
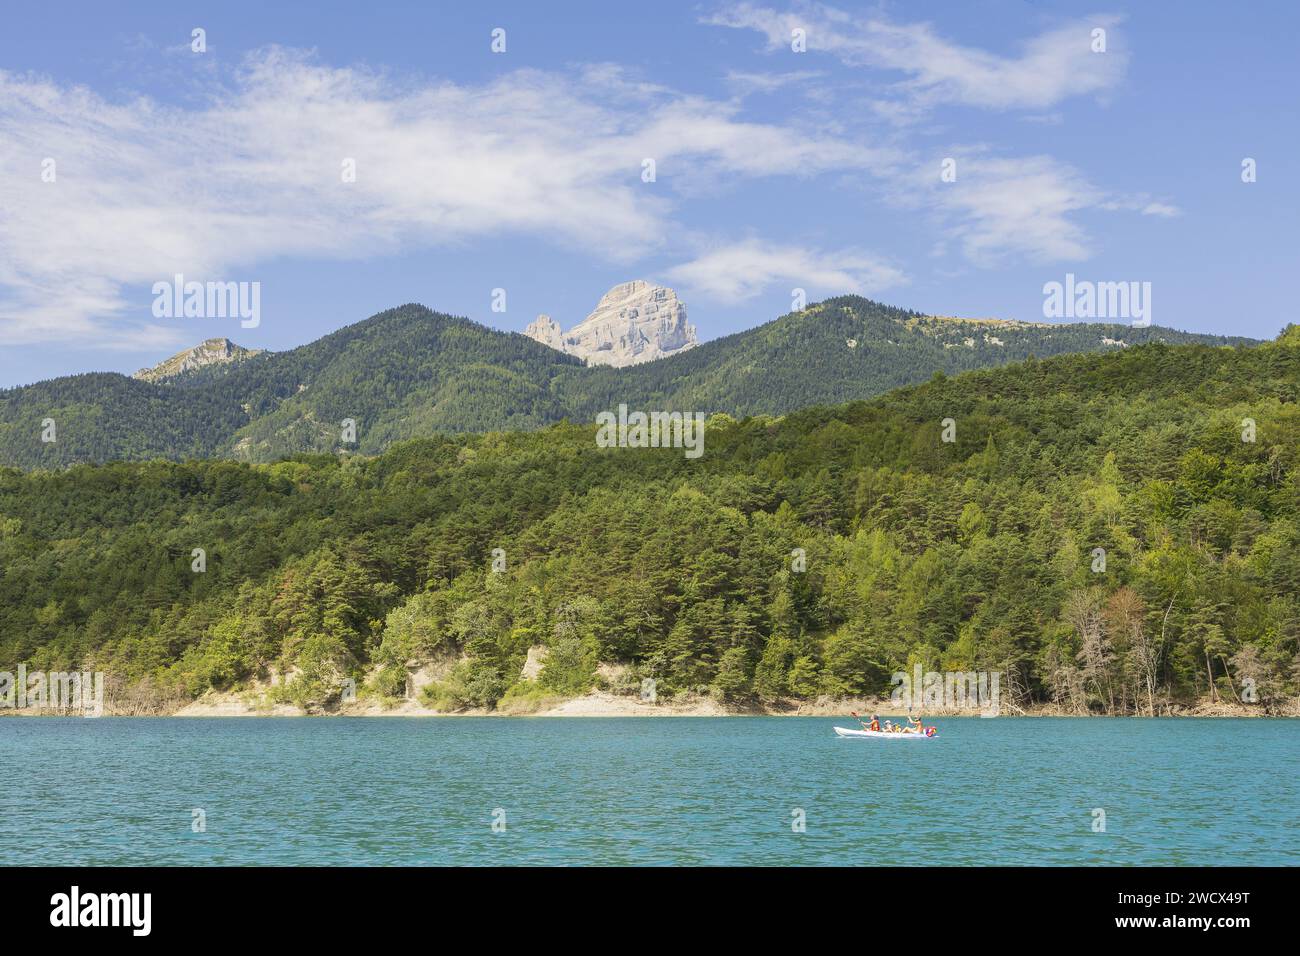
point(905, 735)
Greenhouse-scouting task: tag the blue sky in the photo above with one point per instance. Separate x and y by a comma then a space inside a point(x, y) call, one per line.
point(521, 170)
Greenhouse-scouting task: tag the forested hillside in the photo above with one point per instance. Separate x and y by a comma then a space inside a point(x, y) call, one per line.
point(976, 553)
point(410, 372)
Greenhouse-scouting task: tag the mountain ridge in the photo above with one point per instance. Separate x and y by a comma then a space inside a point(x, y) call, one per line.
point(410, 371)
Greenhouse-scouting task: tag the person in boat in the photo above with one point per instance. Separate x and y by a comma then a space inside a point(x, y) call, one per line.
point(875, 723)
point(889, 726)
point(917, 726)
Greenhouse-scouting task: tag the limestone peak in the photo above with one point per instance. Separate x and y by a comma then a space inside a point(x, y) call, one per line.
point(217, 351)
point(633, 322)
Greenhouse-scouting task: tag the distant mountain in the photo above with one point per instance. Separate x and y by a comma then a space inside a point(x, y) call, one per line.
point(219, 351)
point(850, 348)
point(633, 322)
point(410, 372)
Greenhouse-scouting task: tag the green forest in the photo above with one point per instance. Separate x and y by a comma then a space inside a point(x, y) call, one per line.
point(978, 553)
point(410, 372)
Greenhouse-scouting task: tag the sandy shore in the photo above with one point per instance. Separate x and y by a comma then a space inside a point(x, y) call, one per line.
point(595, 704)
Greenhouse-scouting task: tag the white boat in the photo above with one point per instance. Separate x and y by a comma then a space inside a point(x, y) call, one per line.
point(846, 732)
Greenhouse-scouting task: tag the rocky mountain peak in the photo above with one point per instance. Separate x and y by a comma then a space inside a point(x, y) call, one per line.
point(216, 351)
point(633, 322)
point(547, 331)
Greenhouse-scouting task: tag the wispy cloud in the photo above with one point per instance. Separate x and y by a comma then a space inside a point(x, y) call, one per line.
point(1050, 67)
point(734, 272)
point(144, 190)
point(1002, 207)
point(747, 82)
point(248, 170)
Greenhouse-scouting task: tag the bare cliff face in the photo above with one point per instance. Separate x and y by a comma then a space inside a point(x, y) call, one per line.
point(211, 352)
point(547, 331)
point(633, 322)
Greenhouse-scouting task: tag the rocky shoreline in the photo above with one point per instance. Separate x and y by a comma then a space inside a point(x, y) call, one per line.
point(600, 703)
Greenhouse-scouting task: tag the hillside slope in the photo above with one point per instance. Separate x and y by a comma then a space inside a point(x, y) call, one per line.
point(979, 553)
point(410, 372)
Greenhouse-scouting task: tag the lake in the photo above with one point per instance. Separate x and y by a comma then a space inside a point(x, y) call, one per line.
point(735, 790)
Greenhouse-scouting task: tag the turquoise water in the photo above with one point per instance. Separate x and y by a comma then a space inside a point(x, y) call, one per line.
point(371, 791)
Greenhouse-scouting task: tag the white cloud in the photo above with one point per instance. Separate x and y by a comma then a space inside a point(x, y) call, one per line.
point(1141, 203)
point(1051, 67)
point(146, 190)
point(747, 82)
point(742, 270)
point(1019, 207)
point(1009, 207)
point(1022, 207)
point(1161, 209)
